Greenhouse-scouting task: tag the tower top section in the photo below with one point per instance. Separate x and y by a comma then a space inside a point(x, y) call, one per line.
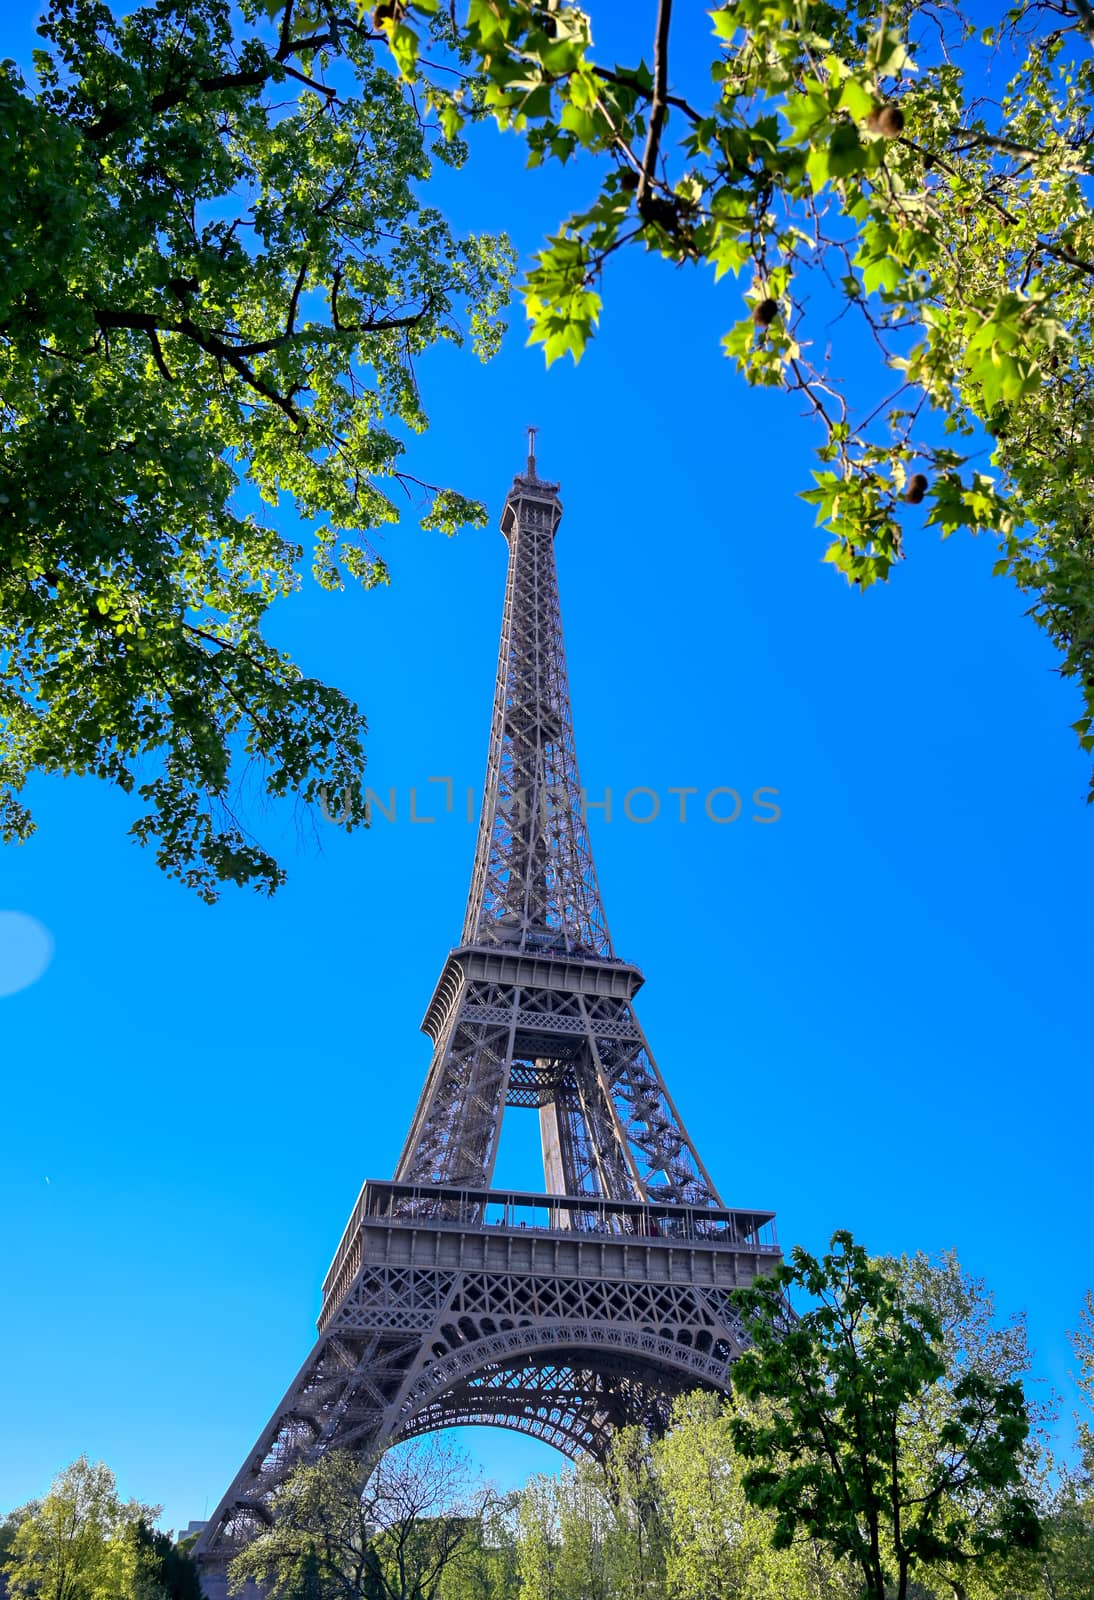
point(534, 887)
point(532, 503)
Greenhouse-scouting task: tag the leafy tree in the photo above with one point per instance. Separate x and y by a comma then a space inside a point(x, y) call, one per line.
point(487, 1568)
point(719, 1545)
point(972, 1341)
point(1083, 1342)
point(10, 1523)
point(585, 1523)
point(159, 1569)
point(341, 1532)
point(540, 1538)
point(1067, 1564)
point(1065, 1569)
point(705, 1506)
point(576, 1536)
point(218, 277)
point(73, 1545)
point(964, 1307)
point(568, 1536)
point(866, 1443)
point(849, 159)
point(665, 1516)
point(633, 1478)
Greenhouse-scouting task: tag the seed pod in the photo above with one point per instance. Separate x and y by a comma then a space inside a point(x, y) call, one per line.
point(765, 313)
point(890, 122)
point(652, 208)
point(389, 11)
point(628, 178)
point(917, 488)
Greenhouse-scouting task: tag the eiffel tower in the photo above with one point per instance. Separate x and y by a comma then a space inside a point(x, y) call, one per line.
point(565, 1314)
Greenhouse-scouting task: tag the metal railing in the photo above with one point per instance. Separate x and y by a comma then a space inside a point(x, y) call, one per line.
point(637, 1221)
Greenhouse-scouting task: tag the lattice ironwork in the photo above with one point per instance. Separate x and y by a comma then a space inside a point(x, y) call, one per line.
point(564, 1314)
point(534, 893)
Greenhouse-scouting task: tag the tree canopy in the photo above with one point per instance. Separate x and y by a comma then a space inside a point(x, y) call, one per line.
point(897, 190)
point(218, 275)
point(687, 1513)
point(875, 1439)
point(83, 1542)
point(220, 270)
point(347, 1529)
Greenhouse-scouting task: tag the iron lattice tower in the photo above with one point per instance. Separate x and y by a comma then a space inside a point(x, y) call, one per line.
point(564, 1314)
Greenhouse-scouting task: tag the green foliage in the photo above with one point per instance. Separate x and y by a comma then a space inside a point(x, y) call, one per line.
point(159, 1570)
point(1083, 1342)
point(80, 1542)
point(870, 1442)
point(848, 160)
point(218, 276)
point(1066, 1563)
point(583, 1534)
point(665, 1516)
point(10, 1523)
point(540, 1538)
point(486, 1567)
point(720, 1544)
point(586, 1527)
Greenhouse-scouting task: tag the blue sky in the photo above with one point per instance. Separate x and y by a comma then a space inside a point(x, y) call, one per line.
point(872, 1014)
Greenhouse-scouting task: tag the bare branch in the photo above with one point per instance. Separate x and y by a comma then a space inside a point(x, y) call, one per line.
point(657, 101)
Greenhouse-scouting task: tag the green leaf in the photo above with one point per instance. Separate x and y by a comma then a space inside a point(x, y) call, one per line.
point(845, 151)
point(856, 99)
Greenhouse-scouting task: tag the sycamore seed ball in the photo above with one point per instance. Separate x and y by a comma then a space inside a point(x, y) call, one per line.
point(888, 120)
point(917, 488)
point(765, 313)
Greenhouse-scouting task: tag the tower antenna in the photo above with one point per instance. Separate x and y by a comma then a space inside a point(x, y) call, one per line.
point(532, 451)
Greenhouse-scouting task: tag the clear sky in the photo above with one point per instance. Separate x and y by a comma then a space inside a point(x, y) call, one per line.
point(873, 1014)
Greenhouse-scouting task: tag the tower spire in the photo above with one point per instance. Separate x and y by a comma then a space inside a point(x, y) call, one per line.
point(532, 452)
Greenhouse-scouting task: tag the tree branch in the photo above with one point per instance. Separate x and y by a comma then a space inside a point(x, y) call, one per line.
point(147, 322)
point(157, 353)
point(629, 79)
point(312, 83)
point(294, 298)
point(657, 101)
point(236, 354)
point(1085, 13)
